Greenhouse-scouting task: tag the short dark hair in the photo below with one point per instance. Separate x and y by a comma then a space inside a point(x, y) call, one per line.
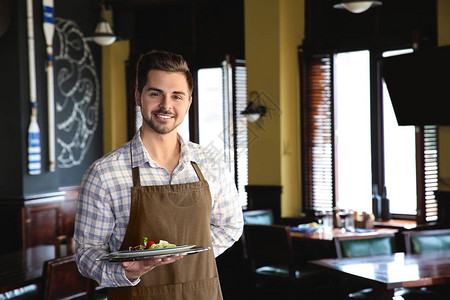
point(164, 61)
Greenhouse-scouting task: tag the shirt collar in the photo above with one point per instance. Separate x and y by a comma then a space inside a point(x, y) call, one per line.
point(186, 151)
point(141, 156)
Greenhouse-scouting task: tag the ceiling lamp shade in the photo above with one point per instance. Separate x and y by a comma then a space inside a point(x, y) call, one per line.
point(356, 6)
point(103, 34)
point(253, 112)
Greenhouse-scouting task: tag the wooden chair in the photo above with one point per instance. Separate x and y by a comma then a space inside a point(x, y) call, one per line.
point(256, 216)
point(271, 261)
point(360, 247)
point(383, 244)
point(418, 241)
point(64, 245)
point(62, 280)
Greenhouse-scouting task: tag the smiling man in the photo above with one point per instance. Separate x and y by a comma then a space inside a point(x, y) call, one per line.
point(161, 187)
point(159, 95)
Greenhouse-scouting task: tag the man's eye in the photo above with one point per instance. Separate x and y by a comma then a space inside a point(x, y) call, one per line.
point(154, 94)
point(176, 97)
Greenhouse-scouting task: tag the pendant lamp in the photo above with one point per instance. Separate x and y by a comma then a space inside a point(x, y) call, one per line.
point(103, 34)
point(356, 6)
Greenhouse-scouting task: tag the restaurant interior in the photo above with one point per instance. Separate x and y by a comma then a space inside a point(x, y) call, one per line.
point(318, 224)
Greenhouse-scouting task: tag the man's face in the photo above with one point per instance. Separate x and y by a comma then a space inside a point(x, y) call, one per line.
point(164, 101)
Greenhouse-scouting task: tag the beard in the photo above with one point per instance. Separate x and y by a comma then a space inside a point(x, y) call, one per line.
point(158, 127)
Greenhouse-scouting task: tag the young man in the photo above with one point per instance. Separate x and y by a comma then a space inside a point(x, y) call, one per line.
point(161, 187)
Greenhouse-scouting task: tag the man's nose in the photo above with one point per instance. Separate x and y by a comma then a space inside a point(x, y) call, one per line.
point(165, 102)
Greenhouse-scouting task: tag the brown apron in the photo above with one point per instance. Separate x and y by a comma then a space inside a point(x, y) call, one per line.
point(179, 214)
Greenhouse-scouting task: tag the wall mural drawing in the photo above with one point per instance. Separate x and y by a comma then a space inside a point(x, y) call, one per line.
point(77, 94)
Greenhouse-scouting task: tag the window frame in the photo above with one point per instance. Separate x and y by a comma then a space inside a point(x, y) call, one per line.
point(426, 141)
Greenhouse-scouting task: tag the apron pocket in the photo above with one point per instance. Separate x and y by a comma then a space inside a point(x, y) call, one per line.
point(206, 289)
point(183, 199)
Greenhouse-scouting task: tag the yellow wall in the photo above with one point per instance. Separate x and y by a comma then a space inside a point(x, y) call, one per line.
point(273, 31)
point(292, 34)
point(262, 55)
point(114, 95)
point(444, 131)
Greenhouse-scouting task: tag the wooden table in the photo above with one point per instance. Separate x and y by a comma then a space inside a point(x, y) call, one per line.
point(22, 268)
point(397, 224)
point(328, 237)
point(385, 273)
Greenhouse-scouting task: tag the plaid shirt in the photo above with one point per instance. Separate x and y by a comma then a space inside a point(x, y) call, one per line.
point(104, 200)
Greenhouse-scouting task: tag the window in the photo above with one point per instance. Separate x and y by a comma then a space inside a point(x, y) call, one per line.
point(222, 95)
point(399, 157)
point(343, 125)
point(210, 108)
point(352, 130)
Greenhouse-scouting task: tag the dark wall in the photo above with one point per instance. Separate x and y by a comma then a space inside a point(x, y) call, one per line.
point(202, 31)
point(15, 182)
point(10, 99)
point(395, 22)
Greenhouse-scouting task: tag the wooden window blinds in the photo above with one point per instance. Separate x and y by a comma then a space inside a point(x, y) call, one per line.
point(317, 148)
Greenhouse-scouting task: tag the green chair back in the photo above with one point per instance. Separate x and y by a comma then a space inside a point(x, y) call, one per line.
point(418, 241)
point(258, 217)
point(430, 243)
point(366, 247)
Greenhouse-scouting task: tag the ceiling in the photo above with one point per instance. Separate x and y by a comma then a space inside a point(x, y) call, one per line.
point(152, 2)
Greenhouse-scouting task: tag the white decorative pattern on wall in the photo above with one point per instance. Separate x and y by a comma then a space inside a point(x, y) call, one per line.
point(77, 94)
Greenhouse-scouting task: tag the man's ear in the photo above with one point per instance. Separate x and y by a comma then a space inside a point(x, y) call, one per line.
point(137, 97)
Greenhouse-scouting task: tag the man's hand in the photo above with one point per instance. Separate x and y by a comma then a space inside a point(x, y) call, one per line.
point(135, 269)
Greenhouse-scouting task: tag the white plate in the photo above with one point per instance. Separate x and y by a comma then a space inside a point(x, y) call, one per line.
point(147, 252)
point(153, 254)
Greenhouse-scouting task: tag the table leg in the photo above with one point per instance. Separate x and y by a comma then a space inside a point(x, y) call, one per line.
point(380, 293)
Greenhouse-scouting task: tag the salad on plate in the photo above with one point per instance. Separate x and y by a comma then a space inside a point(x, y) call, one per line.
point(147, 244)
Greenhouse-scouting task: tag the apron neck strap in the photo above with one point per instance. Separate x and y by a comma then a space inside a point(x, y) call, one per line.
point(197, 170)
point(137, 178)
